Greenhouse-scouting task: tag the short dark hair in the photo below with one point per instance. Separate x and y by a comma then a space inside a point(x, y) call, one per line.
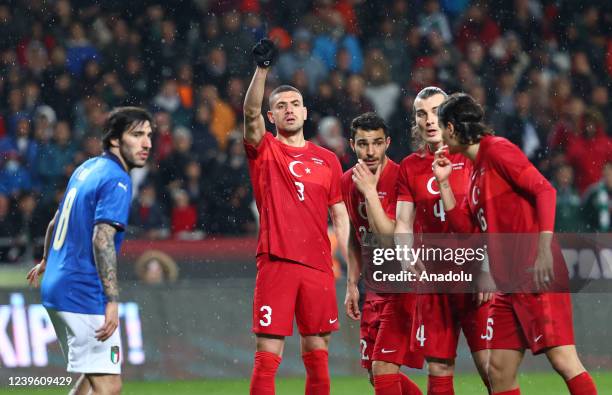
point(466, 116)
point(281, 89)
point(425, 93)
point(368, 121)
point(122, 119)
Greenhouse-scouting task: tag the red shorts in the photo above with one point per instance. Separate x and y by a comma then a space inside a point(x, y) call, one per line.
point(440, 319)
point(535, 321)
point(284, 289)
point(369, 326)
point(393, 343)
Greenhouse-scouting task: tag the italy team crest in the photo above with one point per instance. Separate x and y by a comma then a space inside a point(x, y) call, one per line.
point(115, 355)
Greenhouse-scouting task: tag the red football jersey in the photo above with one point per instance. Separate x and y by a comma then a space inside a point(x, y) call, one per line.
point(355, 202)
point(293, 188)
point(503, 198)
point(356, 207)
point(417, 184)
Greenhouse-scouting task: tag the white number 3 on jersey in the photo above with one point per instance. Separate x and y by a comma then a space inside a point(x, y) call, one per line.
point(300, 190)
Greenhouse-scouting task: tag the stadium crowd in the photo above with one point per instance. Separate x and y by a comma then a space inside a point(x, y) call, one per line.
point(542, 69)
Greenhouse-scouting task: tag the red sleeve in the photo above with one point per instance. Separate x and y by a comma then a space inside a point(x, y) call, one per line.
point(404, 193)
point(513, 165)
point(460, 218)
point(345, 184)
point(335, 189)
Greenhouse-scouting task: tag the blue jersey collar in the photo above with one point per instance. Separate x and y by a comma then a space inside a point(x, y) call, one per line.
point(109, 155)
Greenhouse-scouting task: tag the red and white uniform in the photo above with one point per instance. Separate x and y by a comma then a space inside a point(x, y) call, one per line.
point(294, 188)
point(440, 317)
point(508, 195)
point(356, 206)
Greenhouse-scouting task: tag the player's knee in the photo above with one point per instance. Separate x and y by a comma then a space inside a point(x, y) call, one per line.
point(498, 371)
point(115, 387)
point(441, 367)
point(565, 362)
point(380, 367)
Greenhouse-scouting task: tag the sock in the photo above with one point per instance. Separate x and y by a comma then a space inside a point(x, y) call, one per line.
point(317, 372)
point(264, 370)
point(582, 385)
point(387, 384)
point(440, 385)
point(408, 386)
point(516, 391)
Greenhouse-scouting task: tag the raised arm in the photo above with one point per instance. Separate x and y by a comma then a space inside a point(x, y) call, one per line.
point(264, 53)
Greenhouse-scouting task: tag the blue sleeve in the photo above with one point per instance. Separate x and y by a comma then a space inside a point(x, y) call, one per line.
point(113, 202)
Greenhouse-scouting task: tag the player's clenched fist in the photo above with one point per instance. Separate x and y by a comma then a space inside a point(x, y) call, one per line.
point(265, 52)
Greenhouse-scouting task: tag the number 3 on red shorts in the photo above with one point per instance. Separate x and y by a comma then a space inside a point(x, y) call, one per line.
point(267, 316)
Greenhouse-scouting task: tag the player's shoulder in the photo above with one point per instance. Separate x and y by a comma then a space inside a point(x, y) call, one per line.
point(498, 145)
point(414, 162)
point(319, 153)
point(347, 176)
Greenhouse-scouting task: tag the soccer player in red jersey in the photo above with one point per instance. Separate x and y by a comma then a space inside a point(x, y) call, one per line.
point(295, 184)
point(369, 192)
point(507, 194)
point(441, 317)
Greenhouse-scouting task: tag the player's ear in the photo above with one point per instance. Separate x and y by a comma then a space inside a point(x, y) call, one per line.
point(114, 143)
point(305, 113)
point(270, 117)
point(388, 142)
point(352, 144)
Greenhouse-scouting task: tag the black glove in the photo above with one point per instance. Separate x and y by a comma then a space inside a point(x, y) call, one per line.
point(265, 53)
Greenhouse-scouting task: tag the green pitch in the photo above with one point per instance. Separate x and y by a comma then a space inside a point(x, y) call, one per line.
point(531, 384)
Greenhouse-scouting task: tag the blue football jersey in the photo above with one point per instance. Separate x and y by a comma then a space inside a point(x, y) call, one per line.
point(99, 191)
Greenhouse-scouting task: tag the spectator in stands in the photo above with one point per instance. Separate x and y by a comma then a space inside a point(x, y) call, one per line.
point(14, 177)
point(223, 119)
point(381, 90)
point(588, 151)
point(597, 203)
point(147, 219)
point(183, 217)
point(568, 217)
point(300, 57)
point(155, 268)
point(57, 159)
point(231, 192)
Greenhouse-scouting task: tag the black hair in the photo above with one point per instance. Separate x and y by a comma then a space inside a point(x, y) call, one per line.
point(122, 119)
point(466, 116)
point(281, 89)
point(368, 121)
point(425, 93)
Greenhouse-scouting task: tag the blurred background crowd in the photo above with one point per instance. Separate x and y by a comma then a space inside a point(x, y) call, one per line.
point(542, 70)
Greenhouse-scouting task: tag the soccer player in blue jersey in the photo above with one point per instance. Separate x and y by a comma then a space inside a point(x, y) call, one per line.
point(79, 287)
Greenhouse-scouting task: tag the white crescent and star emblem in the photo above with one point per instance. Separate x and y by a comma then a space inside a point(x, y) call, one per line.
point(293, 169)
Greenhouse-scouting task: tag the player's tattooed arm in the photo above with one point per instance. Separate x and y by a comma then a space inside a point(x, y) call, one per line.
point(105, 256)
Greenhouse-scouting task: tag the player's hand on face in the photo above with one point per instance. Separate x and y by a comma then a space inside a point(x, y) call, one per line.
point(364, 179)
point(543, 273)
point(34, 274)
point(351, 302)
point(442, 166)
point(111, 322)
point(265, 53)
